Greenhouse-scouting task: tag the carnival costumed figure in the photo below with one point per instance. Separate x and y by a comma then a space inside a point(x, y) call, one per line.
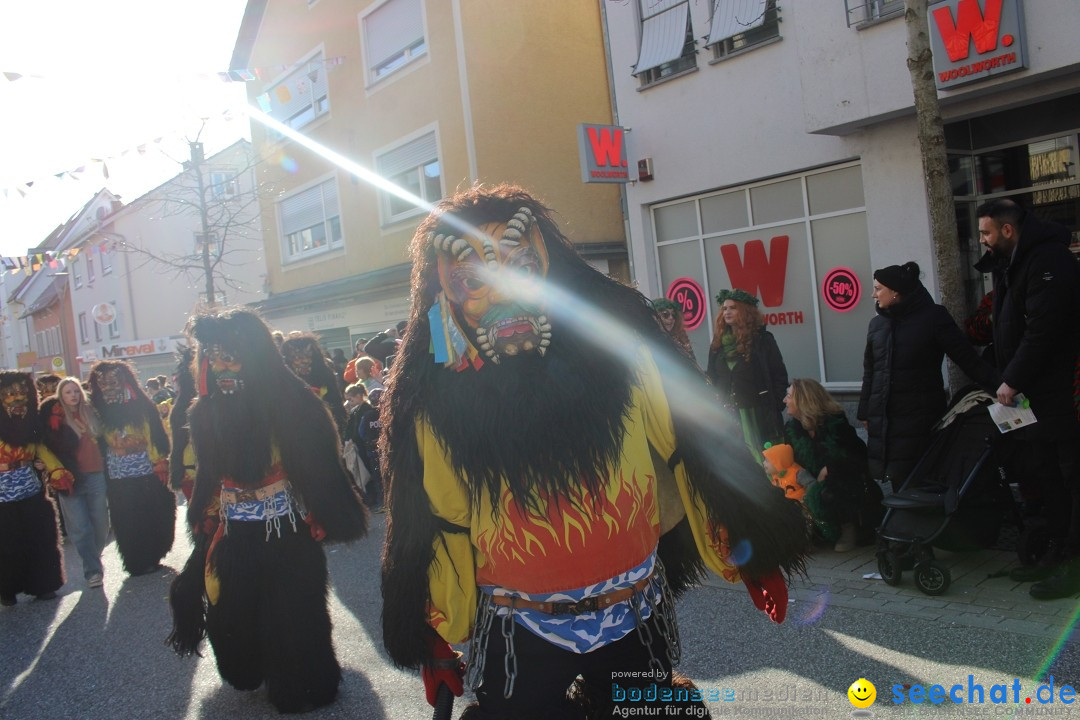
point(135, 447)
point(30, 559)
point(305, 357)
point(673, 322)
point(526, 513)
point(270, 487)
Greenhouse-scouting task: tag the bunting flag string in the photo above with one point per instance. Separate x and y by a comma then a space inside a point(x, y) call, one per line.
point(263, 72)
point(37, 261)
point(86, 164)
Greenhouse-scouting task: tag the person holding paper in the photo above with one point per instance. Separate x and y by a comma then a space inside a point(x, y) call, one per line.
point(1036, 338)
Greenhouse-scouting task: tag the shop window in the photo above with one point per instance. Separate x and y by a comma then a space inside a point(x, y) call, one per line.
point(784, 253)
point(668, 47)
point(114, 326)
point(739, 25)
point(777, 201)
point(83, 334)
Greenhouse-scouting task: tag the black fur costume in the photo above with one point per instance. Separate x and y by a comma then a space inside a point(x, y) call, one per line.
point(30, 558)
point(501, 423)
point(142, 509)
point(265, 609)
point(320, 374)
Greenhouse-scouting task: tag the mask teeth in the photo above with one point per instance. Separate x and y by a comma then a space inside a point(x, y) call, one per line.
point(544, 343)
point(460, 248)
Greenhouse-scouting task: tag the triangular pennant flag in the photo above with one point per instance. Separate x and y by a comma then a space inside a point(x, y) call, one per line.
point(313, 75)
point(260, 73)
point(12, 76)
point(246, 74)
point(30, 184)
point(54, 264)
point(105, 170)
point(39, 258)
point(235, 75)
point(73, 252)
point(224, 77)
point(283, 94)
point(141, 149)
point(59, 175)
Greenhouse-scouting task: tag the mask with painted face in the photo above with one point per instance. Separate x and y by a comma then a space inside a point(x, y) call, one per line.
point(494, 282)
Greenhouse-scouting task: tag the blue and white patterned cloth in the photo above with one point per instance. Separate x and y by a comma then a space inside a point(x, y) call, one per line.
point(19, 484)
point(591, 630)
point(277, 505)
point(128, 466)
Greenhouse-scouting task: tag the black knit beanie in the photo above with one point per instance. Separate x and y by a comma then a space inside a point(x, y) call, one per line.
point(901, 278)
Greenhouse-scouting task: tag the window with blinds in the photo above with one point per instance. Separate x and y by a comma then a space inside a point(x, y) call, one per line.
point(302, 96)
point(393, 36)
point(310, 222)
point(415, 168)
point(741, 24)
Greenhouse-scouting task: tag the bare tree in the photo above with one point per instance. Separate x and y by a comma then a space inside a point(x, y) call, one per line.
point(935, 163)
point(223, 197)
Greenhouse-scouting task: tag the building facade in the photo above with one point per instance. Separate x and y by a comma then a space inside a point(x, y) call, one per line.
point(433, 95)
point(781, 141)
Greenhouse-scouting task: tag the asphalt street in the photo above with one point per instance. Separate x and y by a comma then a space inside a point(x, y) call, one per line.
point(101, 654)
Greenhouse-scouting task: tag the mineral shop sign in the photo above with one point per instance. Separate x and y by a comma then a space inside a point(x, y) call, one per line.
point(976, 39)
point(137, 348)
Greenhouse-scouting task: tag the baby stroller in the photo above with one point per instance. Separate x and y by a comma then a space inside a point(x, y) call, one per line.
point(954, 499)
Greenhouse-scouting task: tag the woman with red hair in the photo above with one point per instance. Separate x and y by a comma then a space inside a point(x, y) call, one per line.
point(746, 368)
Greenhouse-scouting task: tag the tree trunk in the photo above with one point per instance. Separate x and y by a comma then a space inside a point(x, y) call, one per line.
point(931, 129)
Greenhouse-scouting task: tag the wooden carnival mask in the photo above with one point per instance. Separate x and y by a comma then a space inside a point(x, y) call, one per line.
point(494, 284)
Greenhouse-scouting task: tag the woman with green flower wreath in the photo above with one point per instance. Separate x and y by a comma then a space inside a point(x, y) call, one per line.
point(746, 368)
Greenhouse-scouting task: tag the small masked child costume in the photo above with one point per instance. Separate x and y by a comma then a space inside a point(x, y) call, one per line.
point(270, 487)
point(30, 558)
point(135, 448)
point(526, 513)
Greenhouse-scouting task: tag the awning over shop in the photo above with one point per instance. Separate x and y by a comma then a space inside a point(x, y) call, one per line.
point(663, 32)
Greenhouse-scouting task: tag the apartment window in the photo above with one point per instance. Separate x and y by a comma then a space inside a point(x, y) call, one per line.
point(393, 36)
point(97, 331)
point(741, 24)
point(415, 167)
point(114, 326)
point(310, 222)
point(76, 276)
point(224, 185)
point(201, 242)
point(302, 96)
point(106, 260)
point(863, 12)
point(667, 40)
point(83, 335)
point(90, 265)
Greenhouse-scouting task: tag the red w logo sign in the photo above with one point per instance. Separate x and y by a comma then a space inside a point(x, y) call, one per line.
point(757, 274)
point(971, 23)
point(607, 146)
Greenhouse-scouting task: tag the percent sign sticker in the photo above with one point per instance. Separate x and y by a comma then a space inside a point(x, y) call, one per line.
point(841, 289)
point(691, 298)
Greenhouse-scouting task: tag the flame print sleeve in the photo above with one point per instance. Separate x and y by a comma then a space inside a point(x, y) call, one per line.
point(452, 573)
point(711, 541)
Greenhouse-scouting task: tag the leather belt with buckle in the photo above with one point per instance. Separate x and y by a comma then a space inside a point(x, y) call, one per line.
point(589, 604)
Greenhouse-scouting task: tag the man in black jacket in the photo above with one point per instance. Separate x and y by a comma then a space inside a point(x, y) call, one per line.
point(1036, 323)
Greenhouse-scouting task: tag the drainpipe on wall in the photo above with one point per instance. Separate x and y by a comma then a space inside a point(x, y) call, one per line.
point(623, 206)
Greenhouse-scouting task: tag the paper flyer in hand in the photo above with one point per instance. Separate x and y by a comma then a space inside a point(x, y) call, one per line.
point(1012, 418)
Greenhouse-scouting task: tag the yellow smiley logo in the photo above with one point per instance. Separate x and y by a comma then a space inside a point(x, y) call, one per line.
point(862, 693)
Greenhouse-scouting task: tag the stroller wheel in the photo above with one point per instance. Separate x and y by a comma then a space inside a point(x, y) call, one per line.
point(888, 565)
point(932, 577)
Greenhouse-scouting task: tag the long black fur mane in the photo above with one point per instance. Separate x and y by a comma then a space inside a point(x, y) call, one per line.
point(139, 409)
point(233, 435)
point(18, 432)
point(322, 374)
point(551, 423)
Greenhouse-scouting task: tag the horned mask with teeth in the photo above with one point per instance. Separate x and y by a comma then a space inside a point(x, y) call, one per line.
point(493, 278)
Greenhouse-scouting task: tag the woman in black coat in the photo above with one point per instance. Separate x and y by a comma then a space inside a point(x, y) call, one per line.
point(746, 368)
point(903, 394)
